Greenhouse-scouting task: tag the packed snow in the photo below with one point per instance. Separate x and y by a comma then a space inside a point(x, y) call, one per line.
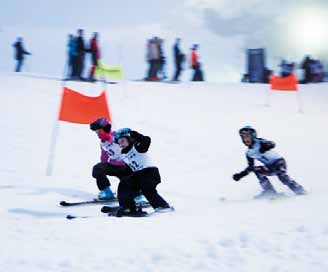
point(217, 225)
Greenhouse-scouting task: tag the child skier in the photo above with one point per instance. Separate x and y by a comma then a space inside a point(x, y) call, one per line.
point(273, 164)
point(134, 148)
point(111, 161)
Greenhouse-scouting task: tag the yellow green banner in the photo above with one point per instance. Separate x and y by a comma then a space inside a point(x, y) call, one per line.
point(108, 72)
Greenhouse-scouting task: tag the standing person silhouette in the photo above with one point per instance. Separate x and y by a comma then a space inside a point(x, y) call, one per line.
point(80, 48)
point(95, 55)
point(195, 64)
point(179, 58)
point(19, 53)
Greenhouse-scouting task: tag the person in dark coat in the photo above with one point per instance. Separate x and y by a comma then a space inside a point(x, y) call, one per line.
point(72, 57)
point(145, 177)
point(162, 60)
point(286, 68)
point(306, 66)
point(19, 53)
point(95, 55)
point(179, 58)
point(80, 48)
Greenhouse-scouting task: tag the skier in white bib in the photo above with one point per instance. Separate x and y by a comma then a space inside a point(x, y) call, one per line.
point(112, 163)
point(134, 148)
point(273, 164)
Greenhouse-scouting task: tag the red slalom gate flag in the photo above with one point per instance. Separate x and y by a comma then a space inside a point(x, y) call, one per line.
point(81, 109)
point(288, 83)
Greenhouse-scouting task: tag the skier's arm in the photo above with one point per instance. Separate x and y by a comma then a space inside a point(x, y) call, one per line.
point(104, 156)
point(266, 145)
point(245, 172)
point(141, 142)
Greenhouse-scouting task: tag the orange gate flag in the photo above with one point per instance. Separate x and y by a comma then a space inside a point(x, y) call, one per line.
point(288, 83)
point(81, 109)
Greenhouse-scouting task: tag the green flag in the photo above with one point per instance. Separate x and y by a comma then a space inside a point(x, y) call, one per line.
point(108, 72)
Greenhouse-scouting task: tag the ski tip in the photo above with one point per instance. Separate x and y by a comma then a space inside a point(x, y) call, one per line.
point(106, 209)
point(139, 214)
point(63, 203)
point(69, 217)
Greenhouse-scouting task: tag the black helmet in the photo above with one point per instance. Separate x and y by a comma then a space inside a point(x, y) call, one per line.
point(248, 130)
point(101, 123)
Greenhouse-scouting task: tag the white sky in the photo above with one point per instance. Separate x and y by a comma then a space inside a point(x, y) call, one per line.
point(223, 30)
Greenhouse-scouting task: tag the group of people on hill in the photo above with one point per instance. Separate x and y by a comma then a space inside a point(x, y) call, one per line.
point(125, 155)
point(313, 70)
point(156, 60)
point(77, 48)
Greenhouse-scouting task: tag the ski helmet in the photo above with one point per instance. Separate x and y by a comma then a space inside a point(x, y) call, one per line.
point(122, 132)
point(101, 123)
point(248, 130)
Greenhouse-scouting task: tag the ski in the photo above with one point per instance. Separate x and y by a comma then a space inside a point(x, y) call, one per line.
point(140, 214)
point(109, 209)
point(111, 214)
point(88, 80)
point(270, 196)
point(87, 202)
point(276, 197)
point(70, 217)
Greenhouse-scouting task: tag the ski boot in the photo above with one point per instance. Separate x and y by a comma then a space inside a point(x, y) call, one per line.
point(299, 190)
point(163, 209)
point(140, 200)
point(121, 212)
point(106, 194)
point(267, 194)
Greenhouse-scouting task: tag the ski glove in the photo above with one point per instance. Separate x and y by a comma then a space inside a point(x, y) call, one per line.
point(238, 176)
point(135, 135)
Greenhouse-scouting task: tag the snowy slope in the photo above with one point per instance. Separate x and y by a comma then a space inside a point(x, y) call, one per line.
point(194, 127)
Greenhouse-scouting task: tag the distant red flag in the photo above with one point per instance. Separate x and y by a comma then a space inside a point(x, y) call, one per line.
point(81, 109)
point(288, 83)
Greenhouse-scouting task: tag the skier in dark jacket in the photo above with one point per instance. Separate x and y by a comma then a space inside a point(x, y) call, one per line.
point(80, 48)
point(145, 177)
point(72, 57)
point(19, 53)
point(162, 60)
point(179, 58)
point(273, 164)
point(306, 66)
